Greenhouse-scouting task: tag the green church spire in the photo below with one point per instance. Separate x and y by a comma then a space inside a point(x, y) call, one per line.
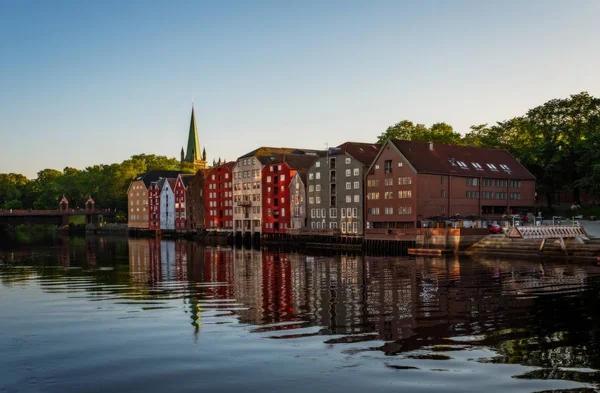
point(193, 147)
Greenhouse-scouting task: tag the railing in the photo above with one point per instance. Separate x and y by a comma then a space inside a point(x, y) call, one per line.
point(31, 212)
point(549, 232)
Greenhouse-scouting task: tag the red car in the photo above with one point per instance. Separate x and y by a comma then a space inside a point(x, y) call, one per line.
point(494, 228)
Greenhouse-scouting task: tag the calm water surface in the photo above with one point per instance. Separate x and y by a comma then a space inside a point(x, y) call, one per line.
point(111, 315)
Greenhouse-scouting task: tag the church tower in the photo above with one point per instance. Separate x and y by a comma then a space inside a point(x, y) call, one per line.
point(193, 153)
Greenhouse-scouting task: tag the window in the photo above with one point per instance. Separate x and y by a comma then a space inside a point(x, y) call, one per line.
point(500, 195)
point(404, 180)
point(462, 164)
point(318, 176)
point(377, 166)
point(373, 210)
point(501, 183)
point(282, 177)
point(442, 179)
point(343, 227)
point(452, 162)
point(404, 194)
point(356, 198)
point(323, 213)
point(348, 185)
point(477, 166)
point(343, 212)
point(515, 184)
point(333, 225)
point(354, 212)
point(388, 182)
point(515, 196)
point(348, 172)
point(269, 178)
point(387, 166)
point(492, 167)
point(311, 176)
point(405, 210)
point(472, 194)
point(488, 195)
point(312, 213)
point(388, 195)
point(348, 160)
point(400, 165)
point(505, 168)
point(333, 213)
point(372, 183)
point(269, 212)
point(318, 200)
point(318, 164)
point(311, 200)
point(311, 188)
point(348, 199)
point(297, 186)
point(348, 212)
point(487, 182)
point(443, 210)
point(388, 210)
point(356, 171)
point(354, 227)
point(472, 181)
point(318, 211)
point(283, 211)
point(318, 187)
point(356, 185)
point(373, 195)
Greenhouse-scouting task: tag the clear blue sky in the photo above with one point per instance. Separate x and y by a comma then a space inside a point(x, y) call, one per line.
point(90, 82)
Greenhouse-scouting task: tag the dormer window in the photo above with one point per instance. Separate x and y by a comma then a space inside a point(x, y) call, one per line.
point(462, 165)
point(452, 162)
point(477, 166)
point(506, 168)
point(492, 167)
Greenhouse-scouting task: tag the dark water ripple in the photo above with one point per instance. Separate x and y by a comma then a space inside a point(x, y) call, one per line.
point(152, 316)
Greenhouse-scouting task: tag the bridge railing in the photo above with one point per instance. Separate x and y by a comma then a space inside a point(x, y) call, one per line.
point(31, 212)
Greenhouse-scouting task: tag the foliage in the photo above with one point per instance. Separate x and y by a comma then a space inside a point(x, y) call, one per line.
point(558, 142)
point(107, 184)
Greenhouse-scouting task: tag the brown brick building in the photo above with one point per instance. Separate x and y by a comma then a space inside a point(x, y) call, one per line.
point(412, 180)
point(195, 200)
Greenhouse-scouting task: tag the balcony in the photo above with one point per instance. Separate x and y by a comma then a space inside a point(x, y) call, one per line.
point(244, 203)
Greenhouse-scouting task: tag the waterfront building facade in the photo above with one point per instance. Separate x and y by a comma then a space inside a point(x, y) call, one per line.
point(218, 189)
point(167, 203)
point(276, 193)
point(247, 186)
point(298, 200)
point(137, 197)
point(154, 206)
point(195, 201)
point(411, 180)
point(181, 185)
point(335, 188)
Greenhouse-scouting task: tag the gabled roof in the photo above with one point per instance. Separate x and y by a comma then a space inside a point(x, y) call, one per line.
point(270, 151)
point(302, 174)
point(186, 178)
point(363, 152)
point(299, 161)
point(152, 176)
point(172, 183)
point(461, 160)
point(160, 183)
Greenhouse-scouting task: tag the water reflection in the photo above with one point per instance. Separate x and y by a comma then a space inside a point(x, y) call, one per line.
point(539, 314)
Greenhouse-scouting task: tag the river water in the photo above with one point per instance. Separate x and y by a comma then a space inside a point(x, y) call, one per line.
point(129, 315)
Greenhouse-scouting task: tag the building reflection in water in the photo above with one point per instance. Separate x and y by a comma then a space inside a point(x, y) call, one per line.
point(406, 302)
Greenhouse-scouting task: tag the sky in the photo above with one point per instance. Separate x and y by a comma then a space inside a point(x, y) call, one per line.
point(85, 83)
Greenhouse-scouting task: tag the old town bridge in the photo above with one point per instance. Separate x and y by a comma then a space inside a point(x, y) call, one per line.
point(58, 217)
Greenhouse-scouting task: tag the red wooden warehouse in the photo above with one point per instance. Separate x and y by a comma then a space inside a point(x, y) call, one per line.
point(218, 191)
point(180, 201)
point(276, 196)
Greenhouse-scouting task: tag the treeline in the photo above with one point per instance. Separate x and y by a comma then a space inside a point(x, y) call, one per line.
point(559, 142)
point(107, 184)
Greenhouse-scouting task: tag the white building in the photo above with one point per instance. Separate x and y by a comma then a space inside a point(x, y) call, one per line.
point(167, 203)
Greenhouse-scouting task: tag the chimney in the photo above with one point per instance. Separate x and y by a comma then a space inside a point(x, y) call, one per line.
point(430, 145)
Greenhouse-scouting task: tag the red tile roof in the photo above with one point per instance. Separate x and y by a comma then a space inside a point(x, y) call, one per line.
point(462, 160)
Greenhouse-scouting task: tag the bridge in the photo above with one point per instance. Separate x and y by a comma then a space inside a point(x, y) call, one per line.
point(58, 217)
